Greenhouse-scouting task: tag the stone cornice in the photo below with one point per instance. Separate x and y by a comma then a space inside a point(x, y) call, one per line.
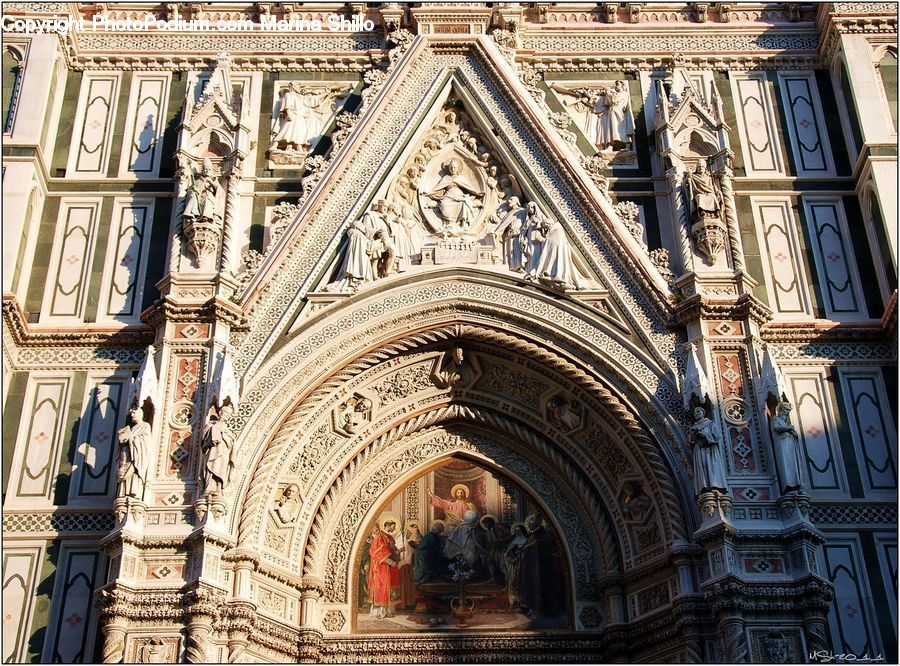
point(216, 309)
point(24, 334)
point(698, 307)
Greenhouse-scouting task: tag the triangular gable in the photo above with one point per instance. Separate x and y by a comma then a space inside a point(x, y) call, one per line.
point(413, 94)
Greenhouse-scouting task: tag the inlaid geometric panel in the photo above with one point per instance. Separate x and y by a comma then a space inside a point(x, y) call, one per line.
point(851, 617)
point(873, 430)
point(94, 118)
point(40, 436)
point(144, 124)
point(103, 414)
point(70, 261)
point(20, 567)
point(815, 424)
point(806, 125)
point(833, 252)
point(781, 256)
point(125, 268)
point(756, 124)
point(72, 627)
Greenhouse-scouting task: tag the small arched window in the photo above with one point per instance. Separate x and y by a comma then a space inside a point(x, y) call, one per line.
point(887, 66)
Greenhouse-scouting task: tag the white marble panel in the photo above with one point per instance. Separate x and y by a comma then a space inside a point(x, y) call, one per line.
point(806, 124)
point(125, 268)
point(785, 275)
point(103, 414)
point(94, 119)
point(73, 625)
point(65, 293)
point(815, 423)
point(756, 125)
point(851, 617)
point(874, 432)
point(144, 125)
point(20, 569)
point(833, 252)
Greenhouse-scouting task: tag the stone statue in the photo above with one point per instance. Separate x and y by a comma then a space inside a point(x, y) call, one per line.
point(302, 115)
point(616, 127)
point(218, 449)
point(702, 194)
point(456, 200)
point(381, 245)
point(134, 455)
point(372, 243)
point(709, 470)
point(509, 232)
point(787, 449)
point(536, 225)
point(605, 115)
point(289, 504)
point(154, 652)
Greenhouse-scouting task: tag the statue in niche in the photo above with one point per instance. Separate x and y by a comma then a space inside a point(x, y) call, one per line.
point(605, 114)
point(218, 449)
point(709, 469)
point(201, 204)
point(456, 199)
point(302, 115)
point(134, 455)
point(289, 504)
point(787, 449)
point(702, 193)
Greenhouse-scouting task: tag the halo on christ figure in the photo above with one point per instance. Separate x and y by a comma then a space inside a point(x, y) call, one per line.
point(453, 195)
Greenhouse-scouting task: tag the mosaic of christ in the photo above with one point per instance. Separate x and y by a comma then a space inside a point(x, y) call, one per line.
point(461, 549)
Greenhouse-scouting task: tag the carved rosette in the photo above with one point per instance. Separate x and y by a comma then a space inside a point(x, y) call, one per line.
point(710, 237)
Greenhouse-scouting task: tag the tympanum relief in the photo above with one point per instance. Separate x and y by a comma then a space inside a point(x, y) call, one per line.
point(454, 202)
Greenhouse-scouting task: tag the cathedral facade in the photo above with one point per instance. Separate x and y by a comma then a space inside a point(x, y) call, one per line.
point(423, 332)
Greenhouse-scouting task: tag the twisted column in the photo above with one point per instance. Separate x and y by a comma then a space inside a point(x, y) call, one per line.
point(231, 204)
point(679, 218)
point(726, 177)
point(113, 644)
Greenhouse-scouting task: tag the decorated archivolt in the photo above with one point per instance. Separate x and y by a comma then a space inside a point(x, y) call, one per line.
point(454, 202)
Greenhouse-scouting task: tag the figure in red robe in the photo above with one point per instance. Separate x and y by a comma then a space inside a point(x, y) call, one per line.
point(383, 572)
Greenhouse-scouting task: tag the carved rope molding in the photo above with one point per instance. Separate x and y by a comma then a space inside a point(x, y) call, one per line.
point(276, 455)
point(315, 234)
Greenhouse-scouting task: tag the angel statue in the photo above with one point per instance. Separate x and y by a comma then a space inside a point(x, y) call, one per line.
point(218, 448)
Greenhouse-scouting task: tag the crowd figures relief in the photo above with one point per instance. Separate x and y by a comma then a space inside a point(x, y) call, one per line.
point(453, 202)
point(461, 548)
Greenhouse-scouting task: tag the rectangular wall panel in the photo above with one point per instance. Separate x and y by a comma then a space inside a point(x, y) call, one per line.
point(144, 125)
point(781, 257)
point(852, 618)
point(833, 253)
point(872, 428)
point(806, 124)
point(815, 425)
point(94, 119)
point(887, 560)
point(70, 261)
point(73, 623)
point(122, 288)
point(20, 569)
point(95, 456)
point(756, 124)
point(41, 434)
